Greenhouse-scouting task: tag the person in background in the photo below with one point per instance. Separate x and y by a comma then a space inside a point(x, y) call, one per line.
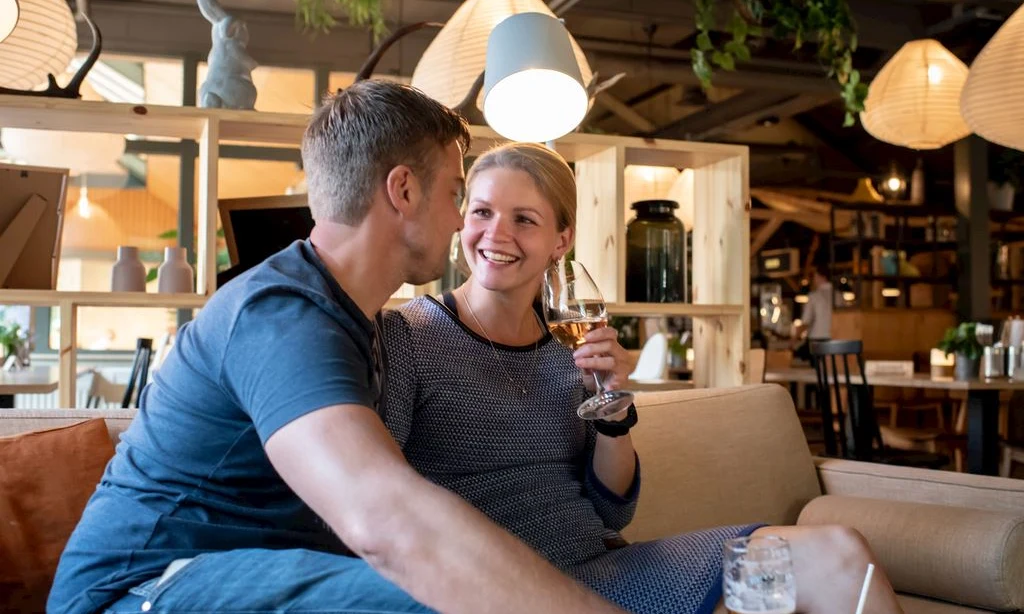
point(815, 323)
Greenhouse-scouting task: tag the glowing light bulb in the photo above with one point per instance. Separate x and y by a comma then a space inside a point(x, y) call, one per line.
point(84, 206)
point(894, 184)
point(934, 74)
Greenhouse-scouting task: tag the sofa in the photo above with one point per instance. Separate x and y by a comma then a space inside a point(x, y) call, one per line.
point(951, 543)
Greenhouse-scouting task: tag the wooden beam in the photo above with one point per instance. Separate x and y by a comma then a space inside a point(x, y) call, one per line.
point(740, 112)
point(625, 112)
point(764, 232)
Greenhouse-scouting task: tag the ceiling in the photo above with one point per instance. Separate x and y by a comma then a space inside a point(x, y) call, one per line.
point(779, 103)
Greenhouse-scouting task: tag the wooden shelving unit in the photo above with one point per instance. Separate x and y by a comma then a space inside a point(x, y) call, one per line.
point(720, 196)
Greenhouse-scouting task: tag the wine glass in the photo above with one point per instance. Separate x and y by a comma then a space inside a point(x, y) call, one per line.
point(758, 576)
point(573, 306)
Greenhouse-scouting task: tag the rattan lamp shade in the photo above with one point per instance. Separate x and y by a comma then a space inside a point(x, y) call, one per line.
point(43, 41)
point(914, 101)
point(458, 54)
point(991, 102)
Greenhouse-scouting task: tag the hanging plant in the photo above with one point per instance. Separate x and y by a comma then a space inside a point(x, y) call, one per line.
point(826, 23)
point(315, 15)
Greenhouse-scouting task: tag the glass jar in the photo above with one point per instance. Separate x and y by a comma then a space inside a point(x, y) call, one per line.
point(655, 254)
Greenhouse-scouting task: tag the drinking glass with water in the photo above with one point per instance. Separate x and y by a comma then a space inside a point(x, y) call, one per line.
point(758, 576)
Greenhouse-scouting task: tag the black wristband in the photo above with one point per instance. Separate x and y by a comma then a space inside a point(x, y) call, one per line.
point(617, 429)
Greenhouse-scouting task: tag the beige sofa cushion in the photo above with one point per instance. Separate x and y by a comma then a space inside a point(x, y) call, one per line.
point(876, 481)
point(692, 477)
point(969, 556)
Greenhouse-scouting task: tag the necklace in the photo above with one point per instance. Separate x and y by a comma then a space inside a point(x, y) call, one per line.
point(497, 358)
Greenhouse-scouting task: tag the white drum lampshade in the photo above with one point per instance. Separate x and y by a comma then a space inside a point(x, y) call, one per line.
point(81, 152)
point(991, 101)
point(43, 41)
point(914, 101)
point(8, 17)
point(456, 56)
point(533, 90)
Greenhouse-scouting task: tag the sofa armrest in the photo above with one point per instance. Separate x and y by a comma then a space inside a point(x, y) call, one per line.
point(907, 484)
point(967, 556)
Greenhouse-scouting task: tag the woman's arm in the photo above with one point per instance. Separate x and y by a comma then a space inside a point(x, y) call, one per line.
point(614, 461)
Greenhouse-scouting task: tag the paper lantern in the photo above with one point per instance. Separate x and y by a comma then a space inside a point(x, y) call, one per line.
point(533, 90)
point(81, 152)
point(991, 100)
point(8, 17)
point(43, 41)
point(914, 100)
point(458, 54)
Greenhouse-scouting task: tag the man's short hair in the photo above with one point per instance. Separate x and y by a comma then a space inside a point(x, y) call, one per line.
point(359, 134)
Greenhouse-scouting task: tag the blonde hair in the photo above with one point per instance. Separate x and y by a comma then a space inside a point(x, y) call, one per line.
point(550, 173)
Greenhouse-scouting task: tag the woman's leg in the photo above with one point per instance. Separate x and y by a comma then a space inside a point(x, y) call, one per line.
point(829, 563)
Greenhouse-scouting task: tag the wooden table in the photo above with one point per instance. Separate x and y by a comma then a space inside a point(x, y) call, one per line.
point(982, 406)
point(33, 380)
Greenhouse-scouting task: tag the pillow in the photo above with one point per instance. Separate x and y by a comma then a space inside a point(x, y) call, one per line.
point(46, 478)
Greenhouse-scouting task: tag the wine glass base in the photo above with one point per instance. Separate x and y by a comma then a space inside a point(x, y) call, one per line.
point(605, 404)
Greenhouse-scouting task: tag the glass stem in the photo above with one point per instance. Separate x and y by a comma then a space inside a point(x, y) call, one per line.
point(597, 382)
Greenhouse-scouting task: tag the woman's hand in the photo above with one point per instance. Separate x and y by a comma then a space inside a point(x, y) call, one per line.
point(603, 354)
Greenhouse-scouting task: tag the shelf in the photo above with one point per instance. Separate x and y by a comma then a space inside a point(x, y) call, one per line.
point(660, 310)
point(922, 244)
point(43, 298)
point(901, 279)
point(646, 310)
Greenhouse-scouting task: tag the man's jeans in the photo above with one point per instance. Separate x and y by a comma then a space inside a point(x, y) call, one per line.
point(254, 581)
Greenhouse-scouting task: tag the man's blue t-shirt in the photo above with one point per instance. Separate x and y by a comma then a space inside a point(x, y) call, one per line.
point(190, 475)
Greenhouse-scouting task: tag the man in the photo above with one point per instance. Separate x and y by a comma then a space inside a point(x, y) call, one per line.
point(815, 323)
point(258, 464)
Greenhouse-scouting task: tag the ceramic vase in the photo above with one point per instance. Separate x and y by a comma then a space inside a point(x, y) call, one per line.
point(128, 274)
point(175, 274)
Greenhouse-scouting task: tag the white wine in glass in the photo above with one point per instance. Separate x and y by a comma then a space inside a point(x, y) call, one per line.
point(573, 306)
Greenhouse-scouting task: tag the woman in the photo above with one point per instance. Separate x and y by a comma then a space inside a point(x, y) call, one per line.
point(483, 402)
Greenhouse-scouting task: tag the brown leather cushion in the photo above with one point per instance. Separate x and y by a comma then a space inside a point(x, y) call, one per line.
point(46, 478)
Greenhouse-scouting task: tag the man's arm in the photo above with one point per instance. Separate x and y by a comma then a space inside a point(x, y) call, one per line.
point(343, 463)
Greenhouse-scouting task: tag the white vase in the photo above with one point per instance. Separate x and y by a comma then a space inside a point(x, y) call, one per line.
point(1000, 196)
point(128, 274)
point(175, 274)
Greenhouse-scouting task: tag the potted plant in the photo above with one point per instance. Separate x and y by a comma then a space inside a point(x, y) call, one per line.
point(963, 343)
point(12, 337)
point(1005, 171)
point(828, 24)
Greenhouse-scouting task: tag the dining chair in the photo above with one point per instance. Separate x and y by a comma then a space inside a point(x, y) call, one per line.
point(847, 409)
point(140, 371)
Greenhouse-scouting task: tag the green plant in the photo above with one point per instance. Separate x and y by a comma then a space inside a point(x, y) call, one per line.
point(223, 260)
point(11, 335)
point(1007, 166)
point(826, 23)
point(315, 15)
point(961, 340)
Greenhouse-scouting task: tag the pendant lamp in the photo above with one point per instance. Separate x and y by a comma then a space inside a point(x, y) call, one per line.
point(533, 90)
point(991, 100)
point(43, 41)
point(8, 17)
point(914, 101)
point(457, 55)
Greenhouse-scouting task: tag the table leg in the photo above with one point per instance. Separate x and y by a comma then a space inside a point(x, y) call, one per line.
point(983, 432)
point(6, 401)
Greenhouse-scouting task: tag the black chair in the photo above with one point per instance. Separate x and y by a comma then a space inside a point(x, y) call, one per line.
point(140, 371)
point(859, 436)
